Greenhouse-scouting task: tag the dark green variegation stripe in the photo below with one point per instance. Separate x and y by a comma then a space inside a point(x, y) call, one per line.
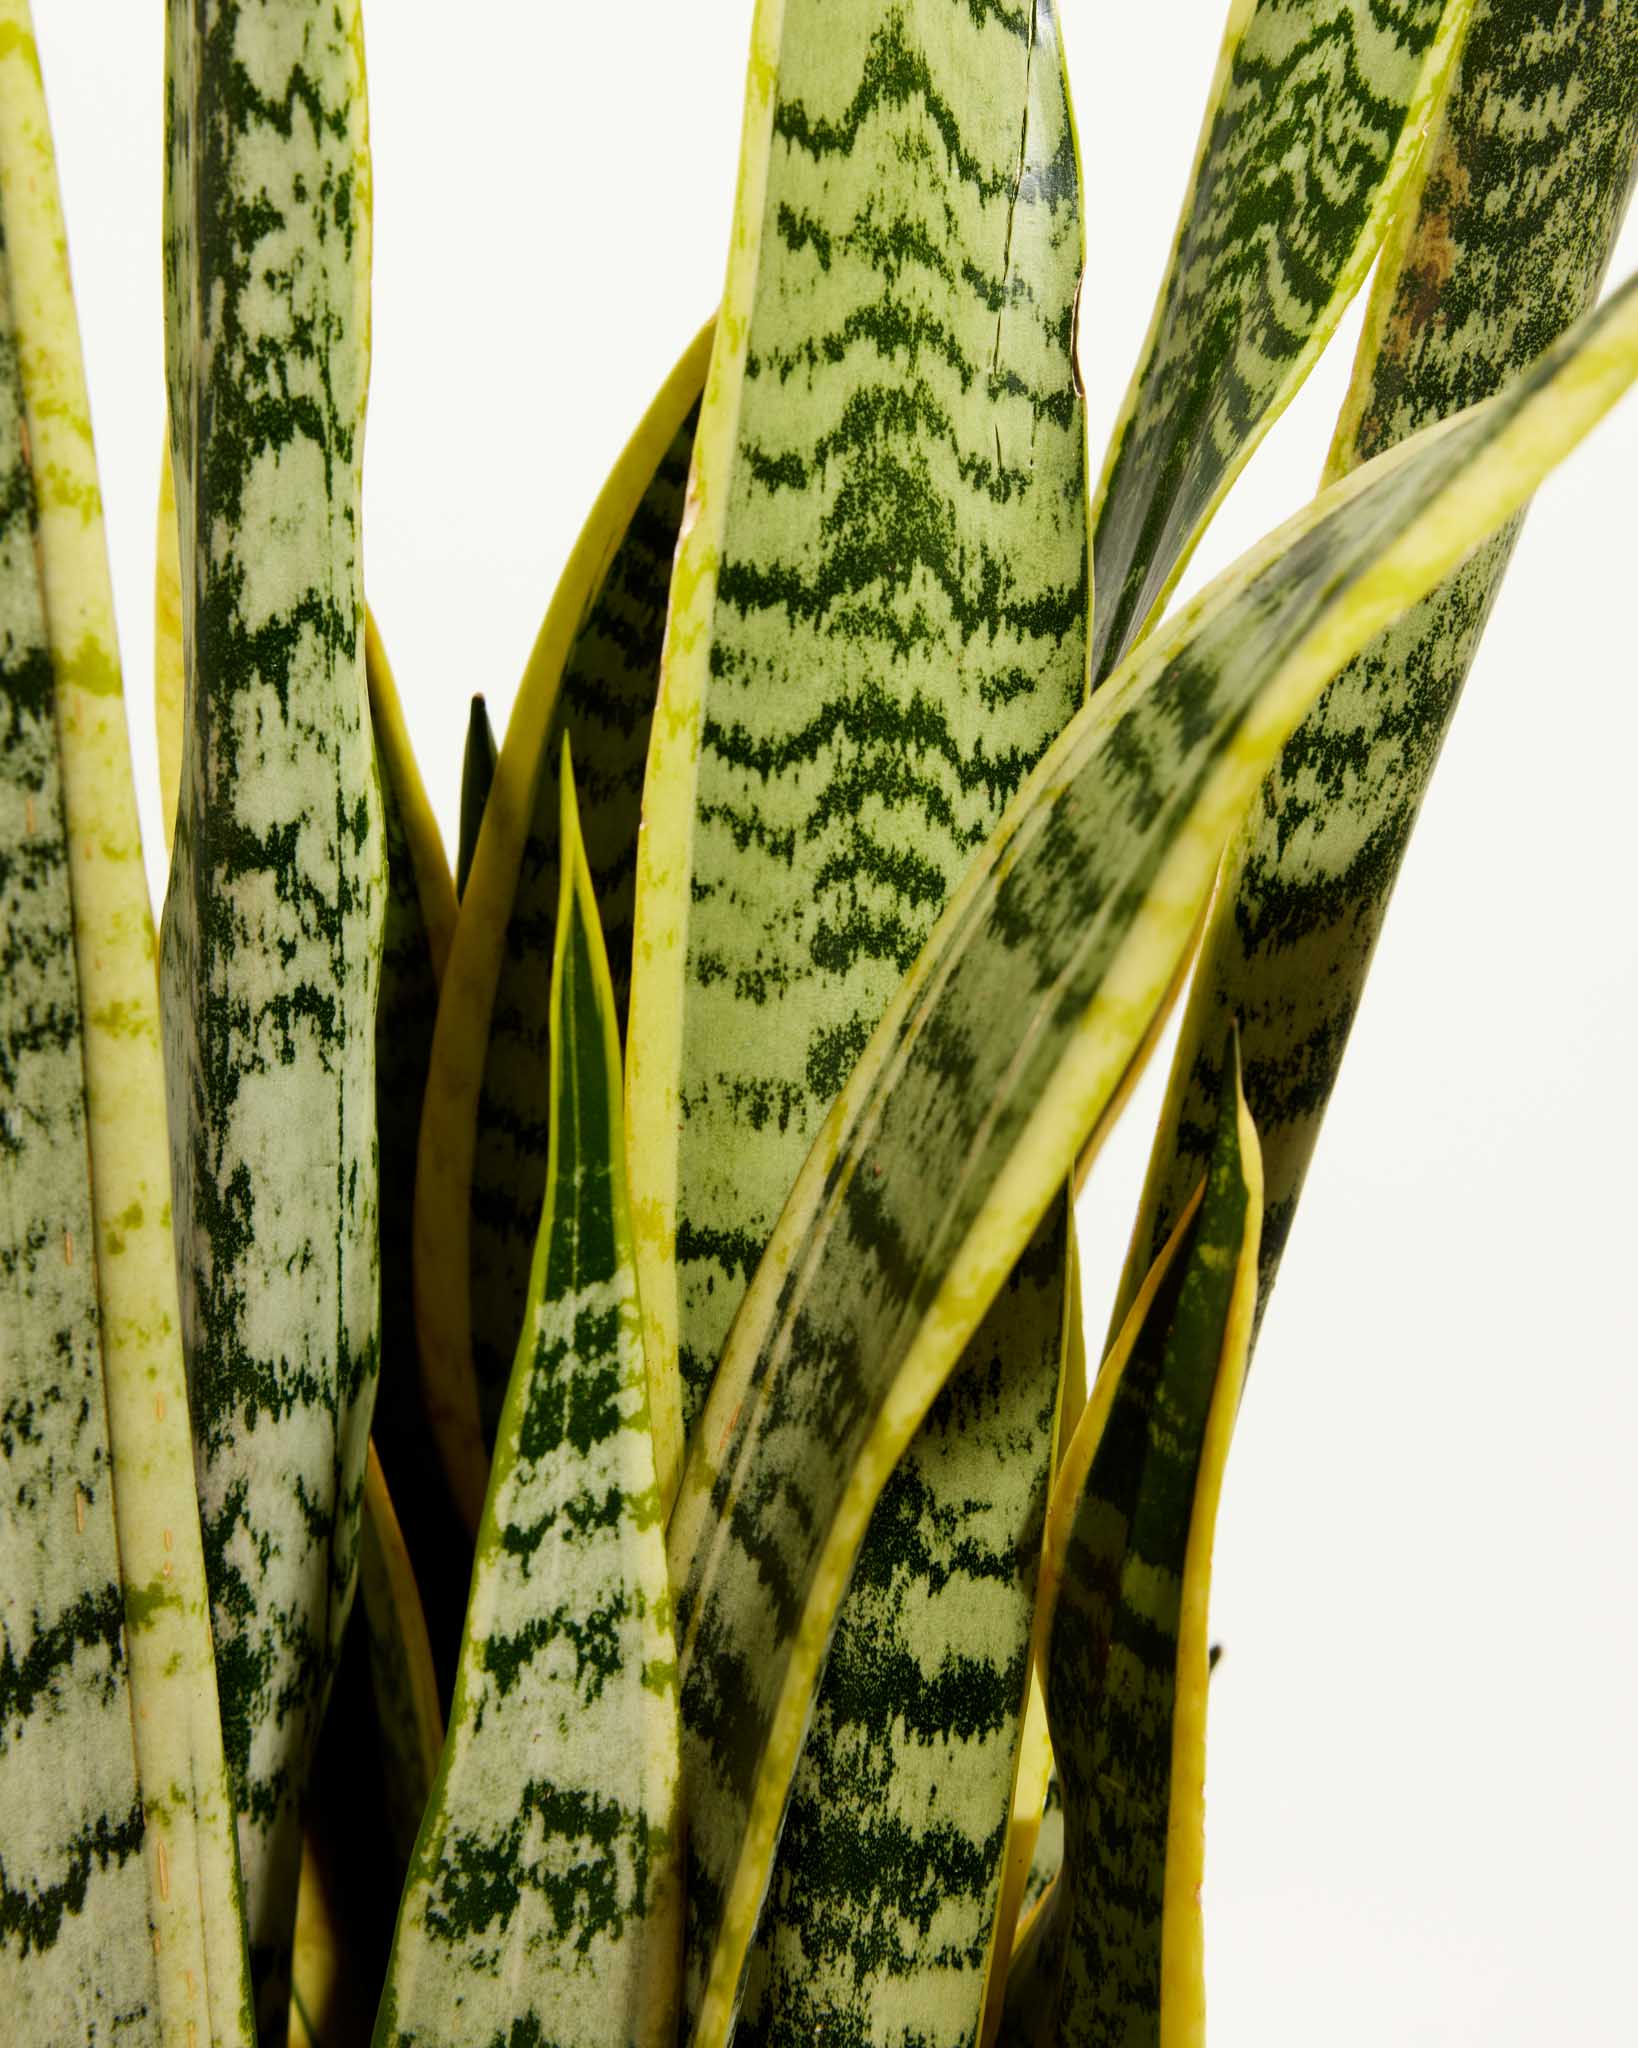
point(477, 773)
point(76, 1954)
point(951, 1138)
point(1116, 1953)
point(481, 1173)
point(604, 706)
point(897, 631)
point(884, 1896)
point(1316, 119)
point(1526, 184)
point(542, 1904)
point(883, 594)
point(273, 919)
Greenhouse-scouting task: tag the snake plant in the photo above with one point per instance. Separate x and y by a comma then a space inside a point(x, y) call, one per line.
point(553, 1493)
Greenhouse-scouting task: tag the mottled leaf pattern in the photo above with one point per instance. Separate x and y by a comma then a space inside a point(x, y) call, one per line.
point(187, 1840)
point(592, 677)
point(76, 1958)
point(881, 597)
point(885, 1891)
point(272, 929)
point(542, 1904)
point(880, 623)
point(1526, 184)
point(953, 1134)
point(1316, 120)
point(1116, 1954)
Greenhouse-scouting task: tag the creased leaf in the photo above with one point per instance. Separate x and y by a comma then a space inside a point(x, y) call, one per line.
point(272, 928)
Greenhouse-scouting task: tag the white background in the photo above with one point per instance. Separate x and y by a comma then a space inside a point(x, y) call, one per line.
point(1423, 1798)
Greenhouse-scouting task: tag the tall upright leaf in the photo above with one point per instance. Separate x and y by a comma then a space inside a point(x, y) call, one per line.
point(75, 1950)
point(1525, 184)
point(949, 1141)
point(272, 929)
point(187, 1834)
point(1115, 1953)
point(880, 606)
point(1316, 120)
point(592, 676)
point(879, 623)
point(542, 1903)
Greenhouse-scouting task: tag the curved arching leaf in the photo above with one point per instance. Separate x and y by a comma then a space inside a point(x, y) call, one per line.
point(1315, 122)
point(592, 675)
point(949, 1141)
point(879, 623)
point(1525, 185)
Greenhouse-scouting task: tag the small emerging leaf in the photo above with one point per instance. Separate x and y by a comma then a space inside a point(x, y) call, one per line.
point(543, 1901)
point(477, 773)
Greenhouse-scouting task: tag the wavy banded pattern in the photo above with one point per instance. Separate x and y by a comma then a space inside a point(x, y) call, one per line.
point(895, 491)
point(881, 1910)
point(272, 927)
point(542, 1903)
point(951, 1138)
point(1526, 183)
point(1115, 1954)
point(1316, 119)
point(75, 1952)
